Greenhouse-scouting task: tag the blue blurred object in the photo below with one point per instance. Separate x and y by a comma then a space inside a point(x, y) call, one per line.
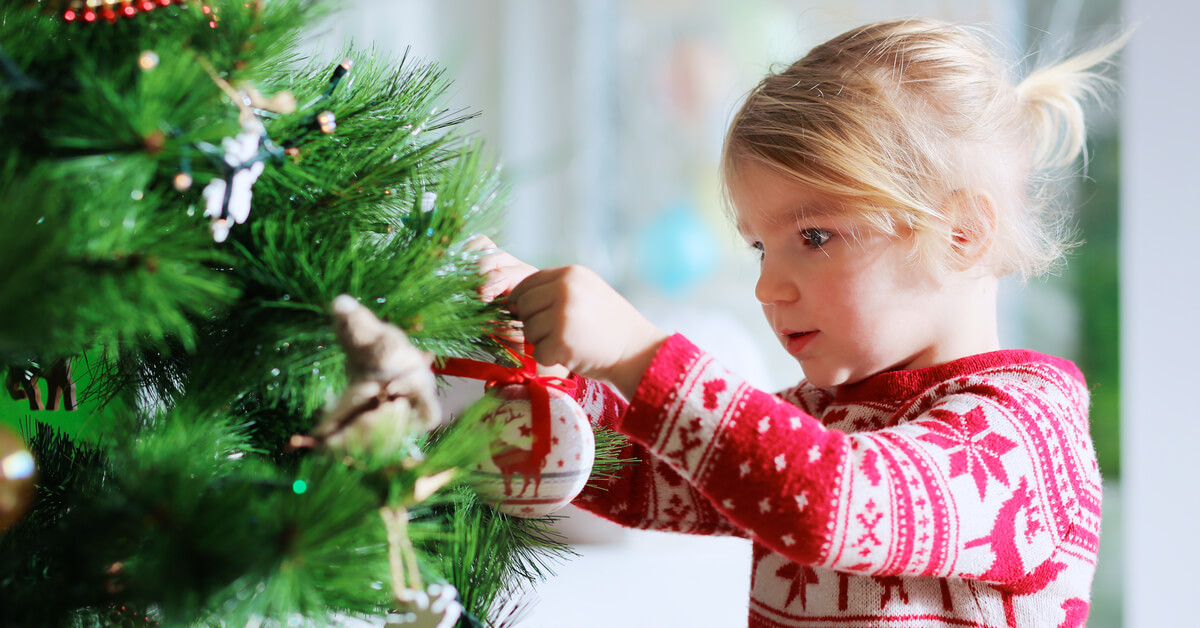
point(676, 250)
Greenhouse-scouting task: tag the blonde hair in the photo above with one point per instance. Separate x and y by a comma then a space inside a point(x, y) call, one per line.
point(893, 118)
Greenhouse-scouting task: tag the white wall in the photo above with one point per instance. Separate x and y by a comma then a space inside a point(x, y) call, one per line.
point(1160, 258)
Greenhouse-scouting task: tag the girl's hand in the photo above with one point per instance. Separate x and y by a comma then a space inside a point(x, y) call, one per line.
point(502, 271)
point(573, 318)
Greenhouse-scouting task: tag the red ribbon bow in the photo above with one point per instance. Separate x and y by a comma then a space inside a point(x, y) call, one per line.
point(497, 375)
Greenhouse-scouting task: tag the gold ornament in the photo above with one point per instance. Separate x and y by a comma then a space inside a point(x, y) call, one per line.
point(16, 478)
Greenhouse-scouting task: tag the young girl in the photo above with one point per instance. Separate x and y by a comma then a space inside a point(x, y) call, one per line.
point(920, 475)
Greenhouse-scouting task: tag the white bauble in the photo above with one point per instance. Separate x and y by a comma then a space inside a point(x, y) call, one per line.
point(532, 473)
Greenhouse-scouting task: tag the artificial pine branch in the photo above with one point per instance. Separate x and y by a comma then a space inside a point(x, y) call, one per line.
point(206, 357)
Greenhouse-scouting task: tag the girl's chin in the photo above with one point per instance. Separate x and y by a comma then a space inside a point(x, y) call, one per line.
point(824, 379)
point(827, 377)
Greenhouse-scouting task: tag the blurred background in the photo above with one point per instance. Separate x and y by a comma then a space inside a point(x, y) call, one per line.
point(606, 117)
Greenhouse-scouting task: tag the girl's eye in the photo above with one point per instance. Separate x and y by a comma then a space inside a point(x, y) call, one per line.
point(758, 250)
point(816, 238)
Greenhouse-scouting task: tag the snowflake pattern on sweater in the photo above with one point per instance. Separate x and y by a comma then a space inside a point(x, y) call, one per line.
point(964, 494)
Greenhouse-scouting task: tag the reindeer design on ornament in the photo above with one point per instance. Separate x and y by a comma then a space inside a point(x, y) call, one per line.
point(511, 459)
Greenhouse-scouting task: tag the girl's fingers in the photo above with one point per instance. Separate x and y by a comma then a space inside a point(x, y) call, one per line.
point(538, 329)
point(532, 300)
point(480, 242)
point(501, 271)
point(539, 278)
point(537, 292)
point(500, 280)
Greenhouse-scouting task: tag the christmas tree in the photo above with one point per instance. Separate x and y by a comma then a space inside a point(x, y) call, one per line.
point(184, 201)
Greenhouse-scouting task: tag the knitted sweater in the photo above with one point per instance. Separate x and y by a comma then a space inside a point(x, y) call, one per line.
point(963, 494)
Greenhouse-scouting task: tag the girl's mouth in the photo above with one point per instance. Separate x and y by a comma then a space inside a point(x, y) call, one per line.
point(796, 341)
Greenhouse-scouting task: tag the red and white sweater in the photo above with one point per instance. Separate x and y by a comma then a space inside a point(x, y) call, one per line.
point(964, 494)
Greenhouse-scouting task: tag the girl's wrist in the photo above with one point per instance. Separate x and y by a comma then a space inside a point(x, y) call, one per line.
point(627, 374)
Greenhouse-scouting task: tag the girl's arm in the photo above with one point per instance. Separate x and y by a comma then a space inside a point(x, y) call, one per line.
point(646, 493)
point(990, 477)
point(994, 480)
point(573, 318)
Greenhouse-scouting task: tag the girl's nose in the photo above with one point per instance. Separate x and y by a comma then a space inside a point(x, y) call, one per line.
point(775, 284)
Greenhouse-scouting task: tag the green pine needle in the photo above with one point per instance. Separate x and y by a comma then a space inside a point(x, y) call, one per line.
point(205, 358)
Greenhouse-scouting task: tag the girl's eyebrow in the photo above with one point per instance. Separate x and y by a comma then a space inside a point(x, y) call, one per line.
point(810, 213)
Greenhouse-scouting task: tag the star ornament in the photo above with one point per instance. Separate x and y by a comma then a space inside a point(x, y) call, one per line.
point(973, 447)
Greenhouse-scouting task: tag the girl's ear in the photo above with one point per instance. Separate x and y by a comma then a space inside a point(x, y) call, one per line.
point(974, 224)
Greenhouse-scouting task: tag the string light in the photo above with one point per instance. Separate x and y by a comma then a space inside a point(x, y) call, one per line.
point(327, 122)
point(183, 180)
point(339, 72)
point(148, 60)
point(111, 10)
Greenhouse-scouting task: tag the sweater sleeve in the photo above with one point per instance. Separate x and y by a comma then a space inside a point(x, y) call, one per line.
point(646, 493)
point(964, 486)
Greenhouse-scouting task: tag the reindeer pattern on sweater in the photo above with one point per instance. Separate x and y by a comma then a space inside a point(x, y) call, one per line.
point(964, 494)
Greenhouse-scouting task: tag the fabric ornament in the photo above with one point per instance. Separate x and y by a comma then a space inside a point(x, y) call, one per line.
point(544, 449)
point(392, 394)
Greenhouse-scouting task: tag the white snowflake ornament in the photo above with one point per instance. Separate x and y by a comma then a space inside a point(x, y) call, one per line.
point(436, 607)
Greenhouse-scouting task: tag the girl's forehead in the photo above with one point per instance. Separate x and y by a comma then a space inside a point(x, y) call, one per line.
point(761, 186)
point(774, 204)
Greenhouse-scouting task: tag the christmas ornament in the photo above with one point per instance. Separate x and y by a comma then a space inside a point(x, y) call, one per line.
point(16, 478)
point(282, 102)
point(22, 383)
point(392, 394)
point(435, 607)
point(390, 399)
point(242, 158)
point(230, 200)
point(416, 606)
point(538, 463)
point(543, 453)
